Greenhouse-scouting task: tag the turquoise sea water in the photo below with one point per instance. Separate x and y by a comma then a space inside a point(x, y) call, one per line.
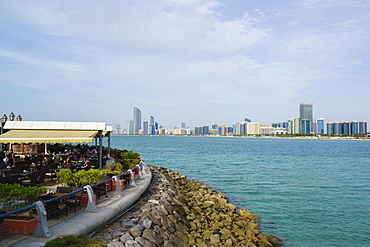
point(306, 192)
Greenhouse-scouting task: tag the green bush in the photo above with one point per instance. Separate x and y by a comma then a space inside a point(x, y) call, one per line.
point(16, 196)
point(79, 178)
point(73, 241)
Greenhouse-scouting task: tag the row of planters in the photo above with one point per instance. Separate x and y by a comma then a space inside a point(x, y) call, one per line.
point(15, 197)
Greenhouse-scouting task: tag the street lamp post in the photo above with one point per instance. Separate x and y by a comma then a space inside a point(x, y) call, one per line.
point(3, 121)
point(11, 116)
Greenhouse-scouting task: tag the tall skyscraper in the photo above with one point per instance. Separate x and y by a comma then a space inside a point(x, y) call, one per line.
point(137, 121)
point(129, 127)
point(306, 113)
point(151, 130)
point(145, 128)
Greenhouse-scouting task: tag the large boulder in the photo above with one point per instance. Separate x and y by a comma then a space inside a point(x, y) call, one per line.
point(246, 213)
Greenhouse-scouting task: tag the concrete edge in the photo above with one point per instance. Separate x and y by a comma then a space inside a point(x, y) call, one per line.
point(86, 222)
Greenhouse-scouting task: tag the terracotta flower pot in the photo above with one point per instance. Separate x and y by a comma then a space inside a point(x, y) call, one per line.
point(136, 171)
point(85, 199)
point(20, 226)
point(121, 184)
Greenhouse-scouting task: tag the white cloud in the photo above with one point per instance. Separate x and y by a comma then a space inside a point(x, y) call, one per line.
point(182, 54)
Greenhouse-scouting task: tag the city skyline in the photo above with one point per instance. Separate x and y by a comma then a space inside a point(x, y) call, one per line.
point(199, 62)
point(304, 124)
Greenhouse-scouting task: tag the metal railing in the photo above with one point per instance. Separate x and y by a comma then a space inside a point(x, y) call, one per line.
point(42, 229)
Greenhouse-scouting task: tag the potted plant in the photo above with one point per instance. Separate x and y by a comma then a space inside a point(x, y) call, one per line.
point(79, 179)
point(16, 196)
point(114, 169)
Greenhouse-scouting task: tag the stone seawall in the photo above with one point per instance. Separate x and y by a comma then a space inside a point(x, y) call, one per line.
point(175, 211)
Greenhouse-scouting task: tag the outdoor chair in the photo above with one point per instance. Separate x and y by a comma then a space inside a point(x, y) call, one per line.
point(55, 209)
point(100, 190)
point(3, 180)
point(8, 173)
point(12, 179)
point(51, 171)
point(75, 200)
point(41, 178)
point(16, 170)
point(33, 179)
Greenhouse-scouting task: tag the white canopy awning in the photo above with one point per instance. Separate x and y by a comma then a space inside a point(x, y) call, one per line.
point(48, 136)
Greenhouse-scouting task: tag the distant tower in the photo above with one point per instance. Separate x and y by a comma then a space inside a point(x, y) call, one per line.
point(145, 128)
point(137, 121)
point(306, 115)
point(129, 127)
point(151, 130)
point(320, 126)
point(183, 125)
point(306, 111)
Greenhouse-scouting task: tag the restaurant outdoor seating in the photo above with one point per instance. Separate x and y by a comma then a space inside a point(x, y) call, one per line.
point(7, 173)
point(33, 179)
point(3, 180)
point(41, 178)
point(13, 179)
point(51, 171)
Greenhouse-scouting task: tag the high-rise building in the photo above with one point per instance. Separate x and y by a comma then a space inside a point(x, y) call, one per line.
point(151, 130)
point(145, 128)
point(136, 121)
point(129, 127)
point(330, 128)
point(345, 128)
point(362, 127)
point(183, 125)
point(295, 126)
point(306, 113)
point(306, 126)
point(320, 126)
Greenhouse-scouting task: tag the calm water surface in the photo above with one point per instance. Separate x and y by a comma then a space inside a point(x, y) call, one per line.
point(306, 192)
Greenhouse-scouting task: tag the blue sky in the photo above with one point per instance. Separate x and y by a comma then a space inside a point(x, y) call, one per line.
point(195, 61)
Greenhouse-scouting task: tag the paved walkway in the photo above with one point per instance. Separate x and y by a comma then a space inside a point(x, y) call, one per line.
point(87, 222)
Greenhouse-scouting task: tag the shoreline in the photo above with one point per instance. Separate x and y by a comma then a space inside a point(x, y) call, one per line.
point(258, 137)
point(176, 211)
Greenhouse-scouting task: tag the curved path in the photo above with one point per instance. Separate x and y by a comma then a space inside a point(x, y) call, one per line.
point(87, 222)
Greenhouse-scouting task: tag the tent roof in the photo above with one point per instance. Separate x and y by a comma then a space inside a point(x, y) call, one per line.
point(48, 136)
point(53, 132)
point(43, 125)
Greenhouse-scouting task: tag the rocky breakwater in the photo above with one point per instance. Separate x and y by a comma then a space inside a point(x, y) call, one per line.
point(176, 211)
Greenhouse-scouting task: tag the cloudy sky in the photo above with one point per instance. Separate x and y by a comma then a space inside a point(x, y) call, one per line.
point(196, 61)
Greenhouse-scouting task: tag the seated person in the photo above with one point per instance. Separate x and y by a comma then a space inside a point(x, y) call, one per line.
point(85, 166)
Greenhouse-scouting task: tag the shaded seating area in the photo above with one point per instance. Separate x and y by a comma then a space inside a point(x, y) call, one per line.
point(23, 133)
point(33, 179)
